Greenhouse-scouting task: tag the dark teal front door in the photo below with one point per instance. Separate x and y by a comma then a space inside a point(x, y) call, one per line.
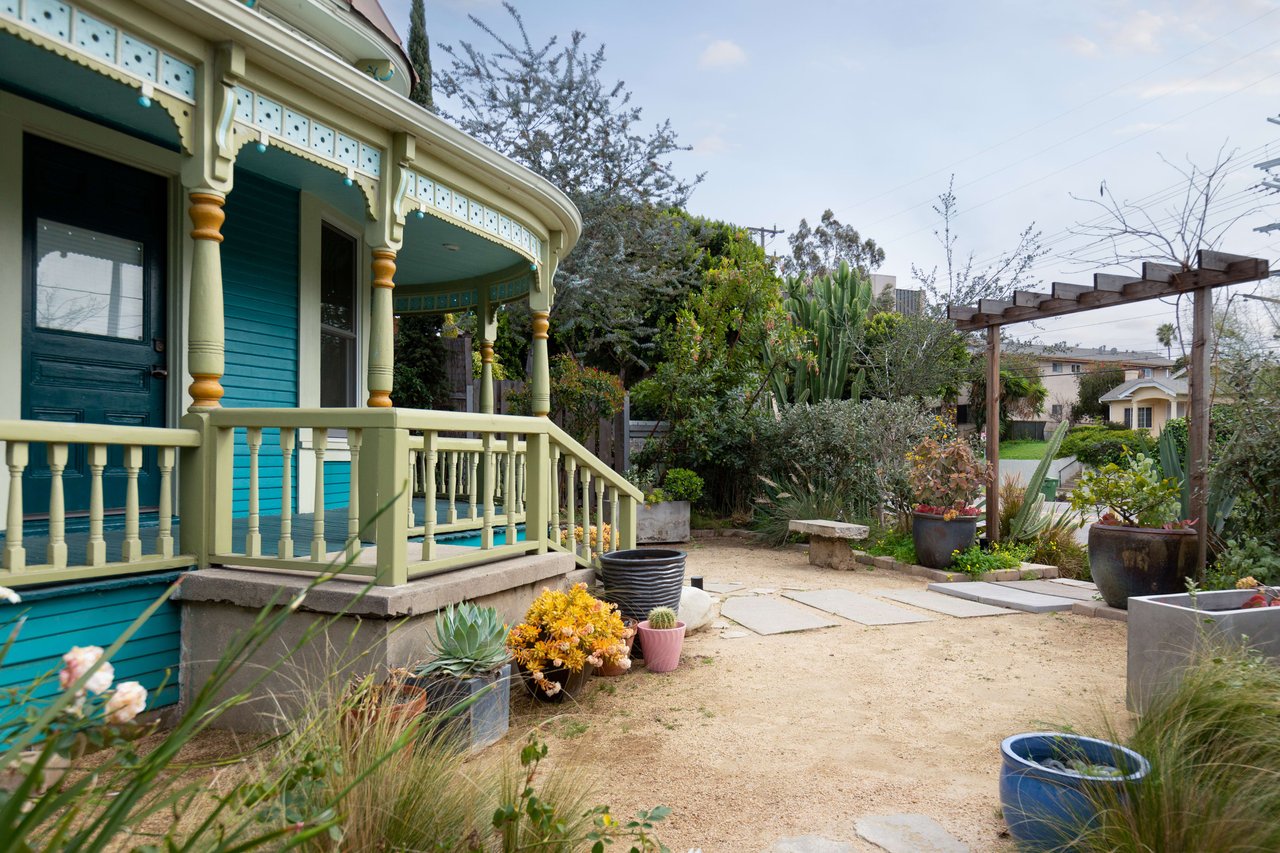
point(93, 331)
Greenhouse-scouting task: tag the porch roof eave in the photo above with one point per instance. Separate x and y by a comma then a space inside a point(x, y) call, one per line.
point(274, 46)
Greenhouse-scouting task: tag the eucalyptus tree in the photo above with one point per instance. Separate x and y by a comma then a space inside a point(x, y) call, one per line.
point(548, 106)
point(819, 251)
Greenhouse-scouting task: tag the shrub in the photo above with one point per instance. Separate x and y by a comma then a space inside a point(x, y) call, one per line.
point(975, 562)
point(800, 496)
point(856, 448)
point(1214, 747)
point(1247, 557)
point(892, 542)
point(1133, 494)
point(1098, 445)
point(580, 396)
point(681, 484)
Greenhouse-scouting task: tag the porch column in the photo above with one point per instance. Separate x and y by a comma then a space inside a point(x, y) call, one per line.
point(540, 393)
point(489, 332)
point(381, 329)
point(206, 338)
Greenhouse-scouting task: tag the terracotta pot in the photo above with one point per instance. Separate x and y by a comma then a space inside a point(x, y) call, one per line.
point(936, 538)
point(611, 670)
point(1128, 561)
point(661, 646)
point(571, 683)
point(408, 702)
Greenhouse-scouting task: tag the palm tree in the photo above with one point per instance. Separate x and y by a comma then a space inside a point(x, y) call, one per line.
point(1164, 334)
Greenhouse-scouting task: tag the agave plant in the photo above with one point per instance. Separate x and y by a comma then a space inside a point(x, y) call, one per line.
point(470, 641)
point(1032, 520)
point(1218, 503)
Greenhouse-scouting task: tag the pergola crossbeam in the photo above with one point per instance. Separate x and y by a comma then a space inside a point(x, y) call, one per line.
point(1213, 269)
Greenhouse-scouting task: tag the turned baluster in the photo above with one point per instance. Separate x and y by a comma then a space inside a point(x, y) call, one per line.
point(319, 444)
point(96, 551)
point(253, 539)
point(57, 549)
point(354, 438)
point(585, 474)
point(15, 555)
point(131, 550)
point(486, 529)
point(164, 539)
point(285, 549)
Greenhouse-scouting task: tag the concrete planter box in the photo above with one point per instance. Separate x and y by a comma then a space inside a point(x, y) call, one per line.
point(1166, 630)
point(666, 521)
point(485, 720)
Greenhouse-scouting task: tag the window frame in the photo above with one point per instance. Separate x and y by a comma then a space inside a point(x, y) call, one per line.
point(1150, 412)
point(1056, 367)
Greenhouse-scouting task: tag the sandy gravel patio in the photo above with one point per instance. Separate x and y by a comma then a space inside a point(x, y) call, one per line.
point(755, 738)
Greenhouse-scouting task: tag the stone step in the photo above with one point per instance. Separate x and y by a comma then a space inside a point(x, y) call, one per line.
point(857, 608)
point(770, 616)
point(1002, 595)
point(948, 605)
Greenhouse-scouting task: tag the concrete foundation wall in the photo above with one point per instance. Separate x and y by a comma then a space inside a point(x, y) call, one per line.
point(352, 635)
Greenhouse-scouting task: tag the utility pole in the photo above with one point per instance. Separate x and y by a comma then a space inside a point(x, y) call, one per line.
point(762, 232)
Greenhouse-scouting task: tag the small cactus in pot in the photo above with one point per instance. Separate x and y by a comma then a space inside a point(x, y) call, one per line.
point(661, 636)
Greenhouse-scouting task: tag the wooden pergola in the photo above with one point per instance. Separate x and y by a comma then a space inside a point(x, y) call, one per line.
point(1212, 269)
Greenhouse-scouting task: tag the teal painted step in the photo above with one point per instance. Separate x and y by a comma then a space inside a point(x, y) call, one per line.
point(260, 295)
point(94, 613)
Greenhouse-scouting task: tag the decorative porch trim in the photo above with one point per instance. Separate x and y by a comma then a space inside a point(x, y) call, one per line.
point(503, 286)
point(112, 51)
point(430, 195)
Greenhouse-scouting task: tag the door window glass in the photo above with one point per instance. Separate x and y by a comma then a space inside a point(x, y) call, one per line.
point(88, 282)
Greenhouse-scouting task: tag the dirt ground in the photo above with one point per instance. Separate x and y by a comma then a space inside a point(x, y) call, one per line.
point(760, 737)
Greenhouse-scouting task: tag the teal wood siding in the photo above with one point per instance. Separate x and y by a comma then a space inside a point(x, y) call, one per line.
point(95, 613)
point(260, 294)
point(337, 484)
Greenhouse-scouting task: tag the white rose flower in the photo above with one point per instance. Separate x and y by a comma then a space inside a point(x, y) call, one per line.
point(78, 661)
point(128, 701)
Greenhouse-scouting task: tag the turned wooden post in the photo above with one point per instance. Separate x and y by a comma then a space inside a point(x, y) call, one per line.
point(381, 331)
point(206, 336)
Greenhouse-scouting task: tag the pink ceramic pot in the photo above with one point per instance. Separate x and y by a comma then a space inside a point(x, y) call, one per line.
point(661, 646)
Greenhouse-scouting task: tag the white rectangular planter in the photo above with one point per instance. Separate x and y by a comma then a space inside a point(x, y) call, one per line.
point(1166, 630)
point(666, 521)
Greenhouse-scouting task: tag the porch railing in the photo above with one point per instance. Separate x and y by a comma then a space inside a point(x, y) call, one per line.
point(514, 482)
point(425, 492)
point(99, 453)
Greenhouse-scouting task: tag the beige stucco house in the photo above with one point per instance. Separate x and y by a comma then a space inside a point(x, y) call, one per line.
point(1147, 402)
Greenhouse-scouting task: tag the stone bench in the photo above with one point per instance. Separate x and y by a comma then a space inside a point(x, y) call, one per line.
point(829, 541)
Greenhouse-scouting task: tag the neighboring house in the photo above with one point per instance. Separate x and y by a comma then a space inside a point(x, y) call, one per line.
point(905, 300)
point(1059, 368)
point(1147, 402)
point(210, 213)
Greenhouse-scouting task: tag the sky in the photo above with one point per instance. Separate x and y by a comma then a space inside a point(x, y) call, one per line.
point(869, 108)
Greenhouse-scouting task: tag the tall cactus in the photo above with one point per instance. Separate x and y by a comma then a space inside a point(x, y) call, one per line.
point(832, 309)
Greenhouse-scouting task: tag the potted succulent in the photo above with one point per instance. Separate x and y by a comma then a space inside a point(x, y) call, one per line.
point(614, 668)
point(564, 636)
point(1139, 545)
point(468, 681)
point(395, 702)
point(946, 479)
point(664, 517)
point(661, 636)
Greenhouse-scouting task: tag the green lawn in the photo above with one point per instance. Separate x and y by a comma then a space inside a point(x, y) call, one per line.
point(1023, 449)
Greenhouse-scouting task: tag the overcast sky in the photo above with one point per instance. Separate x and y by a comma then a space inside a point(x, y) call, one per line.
point(867, 108)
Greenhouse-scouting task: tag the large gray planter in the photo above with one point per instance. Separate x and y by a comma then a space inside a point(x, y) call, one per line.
point(666, 521)
point(1131, 561)
point(1165, 631)
point(936, 538)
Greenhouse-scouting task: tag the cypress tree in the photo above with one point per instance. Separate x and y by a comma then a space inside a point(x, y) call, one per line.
point(420, 56)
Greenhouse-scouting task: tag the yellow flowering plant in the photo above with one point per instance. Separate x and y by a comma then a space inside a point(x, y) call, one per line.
point(568, 630)
point(596, 546)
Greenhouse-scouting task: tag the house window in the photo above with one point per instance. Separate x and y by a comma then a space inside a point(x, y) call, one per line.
point(1075, 368)
point(1128, 418)
point(1144, 417)
point(1182, 410)
point(1057, 367)
point(338, 318)
point(1147, 373)
point(1055, 411)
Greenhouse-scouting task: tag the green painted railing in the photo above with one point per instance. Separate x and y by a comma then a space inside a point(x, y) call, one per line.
point(60, 557)
point(489, 474)
point(493, 473)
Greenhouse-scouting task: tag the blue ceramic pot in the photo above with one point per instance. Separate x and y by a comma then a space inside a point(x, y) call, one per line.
point(1046, 808)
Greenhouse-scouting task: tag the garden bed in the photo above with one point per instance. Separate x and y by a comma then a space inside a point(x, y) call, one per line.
point(1027, 571)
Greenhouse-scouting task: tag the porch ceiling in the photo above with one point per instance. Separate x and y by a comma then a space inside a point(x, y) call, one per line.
point(40, 75)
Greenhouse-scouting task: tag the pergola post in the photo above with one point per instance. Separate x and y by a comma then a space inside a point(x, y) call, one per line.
point(1199, 389)
point(993, 433)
